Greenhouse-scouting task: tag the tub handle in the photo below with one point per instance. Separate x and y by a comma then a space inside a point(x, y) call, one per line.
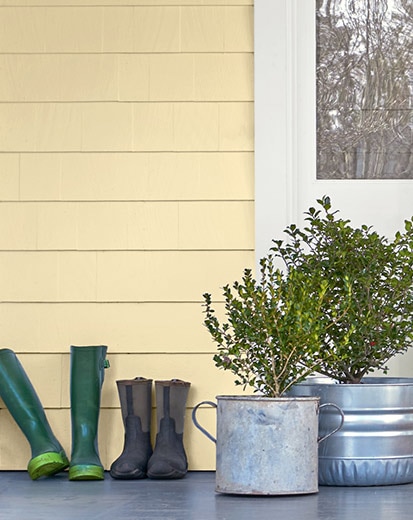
point(196, 423)
point(340, 411)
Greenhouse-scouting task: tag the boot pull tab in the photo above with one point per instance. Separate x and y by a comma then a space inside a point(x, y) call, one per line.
point(106, 363)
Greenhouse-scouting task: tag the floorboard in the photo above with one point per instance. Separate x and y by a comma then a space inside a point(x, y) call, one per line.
point(191, 498)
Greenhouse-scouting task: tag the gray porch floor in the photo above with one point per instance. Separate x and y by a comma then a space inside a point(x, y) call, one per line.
point(192, 498)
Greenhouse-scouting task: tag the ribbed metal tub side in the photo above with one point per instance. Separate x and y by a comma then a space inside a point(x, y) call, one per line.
point(375, 445)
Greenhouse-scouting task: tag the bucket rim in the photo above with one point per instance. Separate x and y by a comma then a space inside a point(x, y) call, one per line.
point(368, 381)
point(257, 398)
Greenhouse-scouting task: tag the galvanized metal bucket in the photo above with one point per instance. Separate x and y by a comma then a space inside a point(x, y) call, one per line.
point(375, 446)
point(266, 446)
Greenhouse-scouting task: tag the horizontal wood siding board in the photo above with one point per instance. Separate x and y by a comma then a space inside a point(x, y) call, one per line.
point(96, 226)
point(129, 328)
point(180, 77)
point(150, 176)
point(132, 29)
point(116, 3)
point(113, 276)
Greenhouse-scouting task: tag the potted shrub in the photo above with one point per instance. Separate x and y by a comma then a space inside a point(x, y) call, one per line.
point(368, 307)
point(271, 342)
point(368, 313)
point(334, 300)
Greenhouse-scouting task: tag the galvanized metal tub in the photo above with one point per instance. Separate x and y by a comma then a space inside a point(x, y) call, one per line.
point(265, 446)
point(375, 445)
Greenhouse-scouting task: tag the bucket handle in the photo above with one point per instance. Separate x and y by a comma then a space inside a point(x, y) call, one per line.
point(213, 439)
point(340, 411)
point(196, 423)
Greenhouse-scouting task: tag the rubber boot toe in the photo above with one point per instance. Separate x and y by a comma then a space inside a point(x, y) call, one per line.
point(169, 459)
point(86, 472)
point(47, 464)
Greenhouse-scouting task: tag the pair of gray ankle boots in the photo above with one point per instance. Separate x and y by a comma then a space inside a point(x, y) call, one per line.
point(168, 458)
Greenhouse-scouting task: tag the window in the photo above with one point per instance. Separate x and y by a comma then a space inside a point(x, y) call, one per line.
point(364, 89)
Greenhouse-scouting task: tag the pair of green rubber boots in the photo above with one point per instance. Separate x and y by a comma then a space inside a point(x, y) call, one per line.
point(48, 457)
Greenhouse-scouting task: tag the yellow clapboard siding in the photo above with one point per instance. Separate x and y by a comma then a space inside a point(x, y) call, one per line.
point(105, 127)
point(216, 131)
point(239, 29)
point(216, 225)
point(126, 127)
point(138, 225)
point(153, 126)
point(60, 3)
point(9, 176)
point(40, 175)
point(41, 276)
point(145, 3)
point(223, 77)
point(47, 29)
point(117, 275)
point(108, 226)
point(217, 29)
point(143, 29)
point(133, 76)
point(236, 125)
point(126, 225)
point(142, 77)
point(197, 126)
point(126, 327)
point(167, 276)
point(131, 176)
point(58, 77)
point(127, 189)
point(172, 28)
point(18, 226)
point(37, 127)
point(171, 77)
point(184, 77)
point(203, 29)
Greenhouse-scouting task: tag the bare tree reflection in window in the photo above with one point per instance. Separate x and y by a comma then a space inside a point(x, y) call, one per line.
point(364, 89)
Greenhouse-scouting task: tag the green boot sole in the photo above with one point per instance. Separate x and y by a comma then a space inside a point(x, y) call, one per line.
point(47, 464)
point(86, 472)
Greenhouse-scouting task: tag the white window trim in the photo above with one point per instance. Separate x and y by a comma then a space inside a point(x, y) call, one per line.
point(285, 120)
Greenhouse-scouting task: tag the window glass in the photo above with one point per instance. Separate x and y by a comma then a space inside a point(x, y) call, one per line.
point(364, 89)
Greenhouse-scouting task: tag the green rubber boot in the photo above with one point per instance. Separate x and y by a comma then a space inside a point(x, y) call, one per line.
point(23, 403)
point(86, 379)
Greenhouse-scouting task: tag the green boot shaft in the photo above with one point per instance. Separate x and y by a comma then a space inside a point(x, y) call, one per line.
point(86, 380)
point(24, 405)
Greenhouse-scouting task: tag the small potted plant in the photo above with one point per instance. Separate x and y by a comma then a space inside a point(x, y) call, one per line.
point(271, 341)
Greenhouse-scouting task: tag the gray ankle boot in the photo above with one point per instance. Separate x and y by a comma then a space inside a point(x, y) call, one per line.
point(135, 397)
point(169, 459)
